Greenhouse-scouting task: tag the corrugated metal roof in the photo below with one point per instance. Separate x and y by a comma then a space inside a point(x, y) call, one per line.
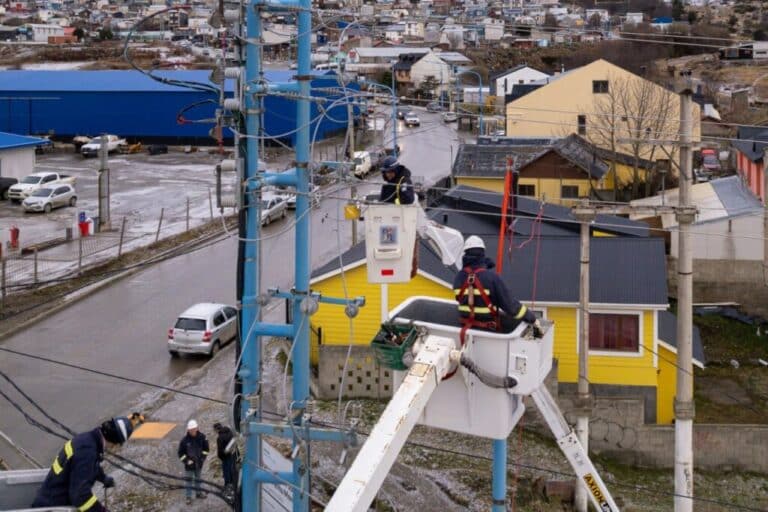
point(465, 197)
point(668, 334)
point(752, 147)
point(387, 51)
point(735, 197)
point(13, 141)
point(624, 270)
point(115, 80)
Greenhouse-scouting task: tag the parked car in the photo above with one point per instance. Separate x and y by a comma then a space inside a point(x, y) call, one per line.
point(362, 161)
point(273, 207)
point(403, 111)
point(93, 147)
point(47, 198)
point(157, 149)
point(709, 160)
point(435, 107)
point(5, 185)
point(203, 329)
point(314, 194)
point(450, 117)
point(412, 120)
point(37, 180)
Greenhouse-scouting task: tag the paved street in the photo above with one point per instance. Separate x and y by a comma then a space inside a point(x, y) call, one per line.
point(122, 329)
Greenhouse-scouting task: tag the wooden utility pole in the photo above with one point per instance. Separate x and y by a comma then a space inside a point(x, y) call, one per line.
point(584, 404)
point(684, 409)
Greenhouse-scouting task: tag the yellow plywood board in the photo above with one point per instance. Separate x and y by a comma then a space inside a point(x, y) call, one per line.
point(152, 430)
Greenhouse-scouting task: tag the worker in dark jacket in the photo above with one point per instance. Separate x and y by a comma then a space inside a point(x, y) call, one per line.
point(227, 452)
point(398, 188)
point(78, 466)
point(481, 293)
point(193, 449)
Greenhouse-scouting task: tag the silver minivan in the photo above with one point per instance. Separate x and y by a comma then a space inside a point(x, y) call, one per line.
point(203, 329)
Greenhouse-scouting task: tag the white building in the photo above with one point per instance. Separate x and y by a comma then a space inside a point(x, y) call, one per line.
point(41, 33)
point(603, 13)
point(493, 29)
point(414, 29)
point(729, 222)
point(633, 18)
point(17, 154)
point(394, 32)
point(502, 83)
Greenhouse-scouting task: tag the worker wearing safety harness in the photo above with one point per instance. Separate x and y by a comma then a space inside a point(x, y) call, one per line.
point(78, 466)
point(482, 295)
point(398, 188)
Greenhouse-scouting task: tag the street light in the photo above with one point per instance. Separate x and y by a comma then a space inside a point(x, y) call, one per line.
point(457, 74)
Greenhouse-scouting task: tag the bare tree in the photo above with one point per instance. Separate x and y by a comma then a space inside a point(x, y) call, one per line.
point(632, 117)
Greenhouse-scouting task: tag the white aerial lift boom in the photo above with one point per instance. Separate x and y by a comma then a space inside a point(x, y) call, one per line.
point(484, 398)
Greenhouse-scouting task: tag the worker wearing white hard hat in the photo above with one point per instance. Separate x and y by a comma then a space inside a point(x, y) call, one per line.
point(193, 450)
point(482, 295)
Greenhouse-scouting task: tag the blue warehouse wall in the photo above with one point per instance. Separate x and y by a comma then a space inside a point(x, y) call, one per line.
point(126, 103)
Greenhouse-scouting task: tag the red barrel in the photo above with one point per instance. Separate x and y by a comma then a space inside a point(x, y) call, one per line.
point(15, 231)
point(84, 228)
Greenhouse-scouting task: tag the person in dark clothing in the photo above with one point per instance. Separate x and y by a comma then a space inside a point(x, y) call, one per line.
point(78, 466)
point(227, 451)
point(193, 449)
point(482, 294)
point(398, 188)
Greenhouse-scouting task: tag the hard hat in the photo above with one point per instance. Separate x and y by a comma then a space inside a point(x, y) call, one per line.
point(388, 164)
point(191, 424)
point(474, 242)
point(117, 430)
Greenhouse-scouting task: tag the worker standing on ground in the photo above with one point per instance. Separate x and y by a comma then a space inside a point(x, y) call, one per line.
point(227, 451)
point(78, 466)
point(193, 449)
point(398, 188)
point(482, 295)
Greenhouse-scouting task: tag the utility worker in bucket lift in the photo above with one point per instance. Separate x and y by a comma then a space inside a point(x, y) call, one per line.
point(398, 188)
point(78, 466)
point(482, 295)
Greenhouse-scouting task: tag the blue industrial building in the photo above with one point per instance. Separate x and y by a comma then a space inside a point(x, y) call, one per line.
point(65, 104)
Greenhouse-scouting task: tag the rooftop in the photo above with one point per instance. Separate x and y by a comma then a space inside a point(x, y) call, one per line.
point(13, 141)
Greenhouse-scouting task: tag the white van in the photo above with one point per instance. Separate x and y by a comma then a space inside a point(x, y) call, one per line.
point(362, 161)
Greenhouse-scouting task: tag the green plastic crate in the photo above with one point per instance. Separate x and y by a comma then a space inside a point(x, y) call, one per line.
point(392, 342)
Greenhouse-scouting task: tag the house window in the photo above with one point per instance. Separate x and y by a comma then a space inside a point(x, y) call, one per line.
point(581, 121)
point(600, 86)
point(569, 192)
point(527, 190)
point(615, 332)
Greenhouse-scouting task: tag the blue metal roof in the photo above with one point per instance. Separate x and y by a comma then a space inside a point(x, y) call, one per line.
point(115, 80)
point(13, 141)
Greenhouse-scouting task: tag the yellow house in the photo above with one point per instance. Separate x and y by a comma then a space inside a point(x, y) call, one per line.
point(632, 336)
point(607, 105)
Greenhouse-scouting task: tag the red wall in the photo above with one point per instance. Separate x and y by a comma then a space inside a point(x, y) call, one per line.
point(753, 173)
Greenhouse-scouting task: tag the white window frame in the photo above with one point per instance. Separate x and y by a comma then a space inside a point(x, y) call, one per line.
point(615, 353)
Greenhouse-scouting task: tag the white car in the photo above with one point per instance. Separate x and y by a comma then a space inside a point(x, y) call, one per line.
point(93, 147)
point(450, 117)
point(29, 184)
point(47, 198)
point(273, 207)
point(412, 119)
point(203, 329)
point(362, 161)
point(314, 194)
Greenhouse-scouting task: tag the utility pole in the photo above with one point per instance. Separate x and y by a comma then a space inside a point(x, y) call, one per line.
point(583, 403)
point(104, 220)
point(684, 407)
point(353, 188)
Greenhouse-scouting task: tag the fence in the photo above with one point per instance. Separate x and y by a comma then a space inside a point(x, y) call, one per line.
point(46, 259)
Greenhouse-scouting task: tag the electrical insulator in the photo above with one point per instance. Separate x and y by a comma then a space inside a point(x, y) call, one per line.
point(228, 165)
point(232, 104)
point(233, 73)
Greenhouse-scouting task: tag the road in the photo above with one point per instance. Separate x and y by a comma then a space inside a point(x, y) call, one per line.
point(121, 329)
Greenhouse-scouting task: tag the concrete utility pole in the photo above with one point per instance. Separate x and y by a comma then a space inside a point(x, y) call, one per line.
point(104, 220)
point(584, 406)
point(684, 408)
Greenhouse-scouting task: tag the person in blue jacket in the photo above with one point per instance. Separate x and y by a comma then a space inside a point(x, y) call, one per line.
point(78, 466)
point(398, 188)
point(192, 452)
point(482, 295)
